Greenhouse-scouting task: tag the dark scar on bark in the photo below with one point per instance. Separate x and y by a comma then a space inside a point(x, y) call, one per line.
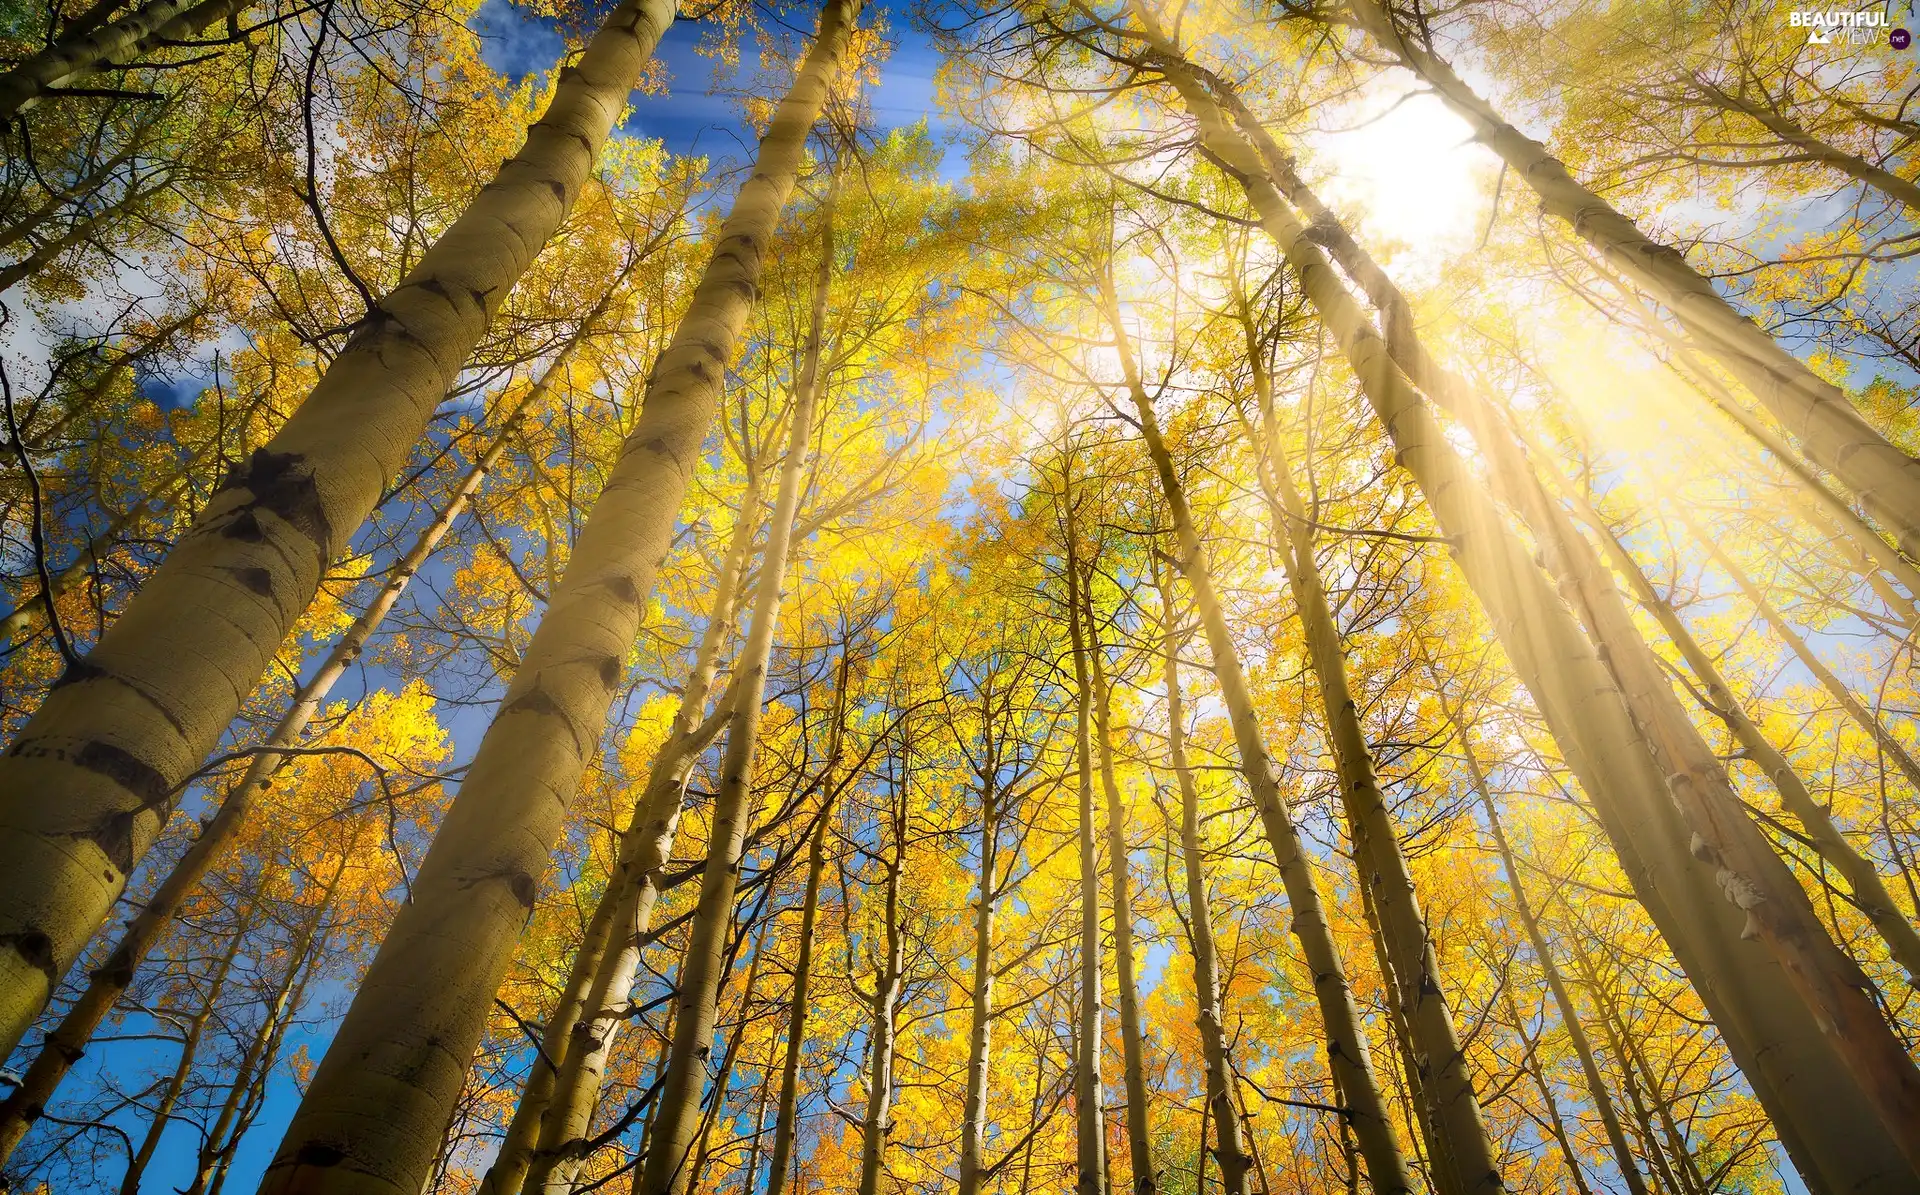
point(256, 580)
point(114, 837)
point(319, 1153)
point(623, 588)
point(245, 528)
point(281, 484)
point(135, 775)
point(78, 671)
point(35, 949)
point(535, 701)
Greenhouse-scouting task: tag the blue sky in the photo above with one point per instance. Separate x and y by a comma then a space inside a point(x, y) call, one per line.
point(691, 118)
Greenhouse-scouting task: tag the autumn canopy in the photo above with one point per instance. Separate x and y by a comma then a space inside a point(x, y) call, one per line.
point(1259, 597)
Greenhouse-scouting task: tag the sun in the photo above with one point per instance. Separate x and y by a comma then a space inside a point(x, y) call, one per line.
point(1405, 170)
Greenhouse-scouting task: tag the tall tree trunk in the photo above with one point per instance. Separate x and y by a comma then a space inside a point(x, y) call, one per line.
point(787, 1118)
point(169, 1096)
point(662, 1054)
point(1869, 891)
point(189, 1053)
point(1208, 1018)
point(1747, 868)
point(1691, 1182)
point(1430, 1153)
point(1349, 1149)
point(1611, 1029)
point(250, 1084)
point(410, 1042)
point(67, 1042)
point(1797, 644)
point(973, 1116)
point(1791, 132)
point(550, 1122)
point(80, 230)
point(1346, 1040)
point(249, 1078)
point(1033, 1117)
point(93, 776)
point(1884, 478)
point(1530, 1061)
point(1556, 983)
point(117, 43)
point(132, 149)
point(723, 1079)
point(86, 402)
point(665, 1170)
point(1823, 509)
point(1676, 1158)
point(1200, 1146)
point(1253, 1141)
point(1766, 1019)
point(1090, 1133)
point(1139, 1139)
point(883, 1028)
point(1510, 444)
point(33, 607)
point(1420, 988)
point(752, 1180)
